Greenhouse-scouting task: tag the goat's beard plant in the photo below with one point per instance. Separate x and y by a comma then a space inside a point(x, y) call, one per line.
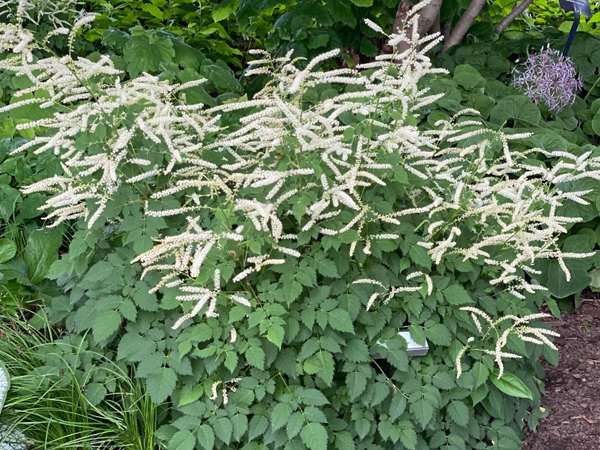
point(318, 218)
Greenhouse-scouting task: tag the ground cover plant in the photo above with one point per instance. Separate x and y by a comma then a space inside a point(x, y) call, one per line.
point(244, 260)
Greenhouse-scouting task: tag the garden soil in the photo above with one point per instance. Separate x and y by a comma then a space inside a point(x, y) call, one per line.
point(573, 388)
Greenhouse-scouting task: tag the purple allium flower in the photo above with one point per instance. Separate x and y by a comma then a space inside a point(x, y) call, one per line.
point(549, 77)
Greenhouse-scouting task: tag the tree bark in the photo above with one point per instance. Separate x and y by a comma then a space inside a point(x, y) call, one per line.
point(516, 12)
point(427, 18)
point(463, 25)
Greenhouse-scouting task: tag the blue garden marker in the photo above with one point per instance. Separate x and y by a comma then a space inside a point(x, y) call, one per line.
point(579, 7)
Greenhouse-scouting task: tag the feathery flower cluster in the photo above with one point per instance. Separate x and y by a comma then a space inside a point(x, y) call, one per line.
point(57, 13)
point(267, 170)
point(550, 78)
point(496, 330)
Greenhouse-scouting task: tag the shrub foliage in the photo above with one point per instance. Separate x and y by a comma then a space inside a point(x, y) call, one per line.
point(253, 260)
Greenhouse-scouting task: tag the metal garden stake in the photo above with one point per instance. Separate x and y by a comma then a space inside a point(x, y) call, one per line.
point(578, 7)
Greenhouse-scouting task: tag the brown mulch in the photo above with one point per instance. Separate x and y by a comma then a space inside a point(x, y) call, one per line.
point(573, 388)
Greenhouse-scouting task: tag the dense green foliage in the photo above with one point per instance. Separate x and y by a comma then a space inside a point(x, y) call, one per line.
point(312, 374)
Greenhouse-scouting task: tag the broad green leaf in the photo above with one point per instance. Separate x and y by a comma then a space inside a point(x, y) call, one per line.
point(516, 108)
point(363, 3)
point(161, 384)
point(276, 334)
point(41, 251)
point(147, 52)
point(510, 385)
point(8, 250)
point(258, 425)
point(314, 436)
point(182, 440)
point(397, 405)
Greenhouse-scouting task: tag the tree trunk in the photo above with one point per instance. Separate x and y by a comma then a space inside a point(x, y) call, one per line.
point(428, 16)
point(516, 12)
point(463, 25)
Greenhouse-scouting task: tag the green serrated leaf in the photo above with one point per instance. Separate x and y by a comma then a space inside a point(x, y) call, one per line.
point(280, 415)
point(340, 320)
point(161, 384)
point(356, 383)
point(182, 440)
point(458, 413)
point(255, 356)
point(455, 294)
point(206, 436)
point(422, 410)
point(105, 324)
point(223, 429)
point(313, 397)
point(314, 436)
point(294, 425)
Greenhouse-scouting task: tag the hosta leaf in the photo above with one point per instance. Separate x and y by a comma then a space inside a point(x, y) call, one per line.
point(4, 384)
point(182, 440)
point(314, 436)
point(161, 384)
point(8, 250)
point(510, 385)
point(41, 251)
